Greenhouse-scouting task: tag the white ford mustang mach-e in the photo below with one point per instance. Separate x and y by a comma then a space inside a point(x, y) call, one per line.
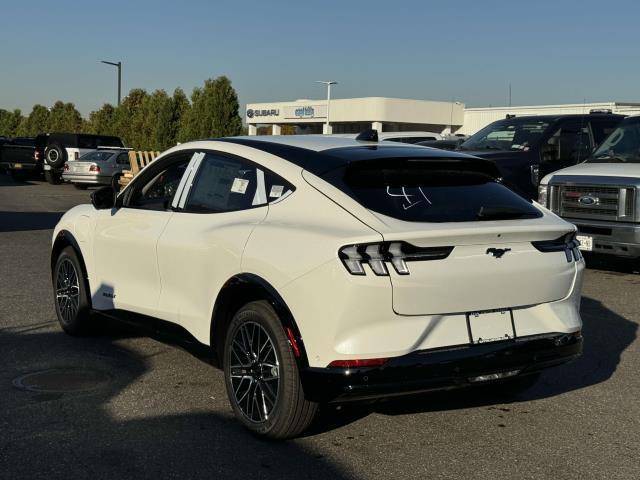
point(323, 269)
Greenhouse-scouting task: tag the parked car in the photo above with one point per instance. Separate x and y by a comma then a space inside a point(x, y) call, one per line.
point(321, 269)
point(528, 148)
point(99, 167)
point(449, 144)
point(23, 155)
point(602, 195)
point(68, 147)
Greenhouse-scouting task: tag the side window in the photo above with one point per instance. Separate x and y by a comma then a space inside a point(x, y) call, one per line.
point(157, 193)
point(277, 188)
point(225, 184)
point(123, 159)
point(85, 141)
point(571, 143)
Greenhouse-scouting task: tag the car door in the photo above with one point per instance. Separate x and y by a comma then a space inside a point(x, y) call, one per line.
point(125, 239)
point(202, 246)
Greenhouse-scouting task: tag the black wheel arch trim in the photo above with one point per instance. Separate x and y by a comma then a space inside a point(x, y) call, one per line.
point(257, 285)
point(64, 238)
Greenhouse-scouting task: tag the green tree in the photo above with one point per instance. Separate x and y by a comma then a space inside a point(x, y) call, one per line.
point(157, 121)
point(214, 111)
point(102, 121)
point(179, 110)
point(64, 117)
point(128, 119)
point(35, 123)
point(9, 122)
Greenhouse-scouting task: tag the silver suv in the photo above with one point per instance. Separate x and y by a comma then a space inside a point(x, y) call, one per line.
point(99, 167)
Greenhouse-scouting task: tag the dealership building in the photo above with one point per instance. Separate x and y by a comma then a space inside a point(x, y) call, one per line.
point(353, 115)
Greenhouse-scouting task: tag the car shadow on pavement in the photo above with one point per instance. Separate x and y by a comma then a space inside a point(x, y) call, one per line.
point(97, 434)
point(606, 336)
point(24, 221)
point(611, 264)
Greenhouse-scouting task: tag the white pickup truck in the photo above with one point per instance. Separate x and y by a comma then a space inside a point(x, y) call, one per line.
point(602, 195)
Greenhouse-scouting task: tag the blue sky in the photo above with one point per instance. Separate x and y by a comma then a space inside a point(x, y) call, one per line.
point(550, 51)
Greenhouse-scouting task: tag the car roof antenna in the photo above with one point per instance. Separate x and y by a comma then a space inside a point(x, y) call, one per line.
point(370, 135)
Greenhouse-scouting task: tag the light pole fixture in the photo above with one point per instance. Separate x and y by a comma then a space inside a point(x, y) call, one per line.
point(328, 83)
point(119, 65)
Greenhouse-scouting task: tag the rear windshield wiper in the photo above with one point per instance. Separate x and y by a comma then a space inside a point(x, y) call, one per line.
point(504, 213)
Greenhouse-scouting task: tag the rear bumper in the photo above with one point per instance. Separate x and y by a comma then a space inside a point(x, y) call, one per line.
point(29, 167)
point(440, 369)
point(612, 238)
point(88, 179)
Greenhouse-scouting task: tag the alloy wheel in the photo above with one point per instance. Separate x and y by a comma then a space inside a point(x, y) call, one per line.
point(67, 290)
point(255, 372)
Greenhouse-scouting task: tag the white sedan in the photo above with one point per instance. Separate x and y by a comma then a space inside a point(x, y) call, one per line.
point(324, 269)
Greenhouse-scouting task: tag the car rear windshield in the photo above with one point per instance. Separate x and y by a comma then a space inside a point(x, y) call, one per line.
point(96, 156)
point(431, 191)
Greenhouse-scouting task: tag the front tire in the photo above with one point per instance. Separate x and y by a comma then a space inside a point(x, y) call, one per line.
point(261, 375)
point(71, 296)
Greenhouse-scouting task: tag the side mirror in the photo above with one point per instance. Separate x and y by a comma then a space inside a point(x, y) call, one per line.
point(104, 198)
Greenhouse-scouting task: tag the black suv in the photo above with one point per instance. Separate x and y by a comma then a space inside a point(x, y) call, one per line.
point(525, 149)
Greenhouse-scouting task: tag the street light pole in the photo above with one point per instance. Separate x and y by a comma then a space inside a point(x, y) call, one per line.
point(328, 83)
point(119, 66)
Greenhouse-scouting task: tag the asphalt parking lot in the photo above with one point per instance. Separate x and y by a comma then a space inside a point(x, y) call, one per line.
point(157, 408)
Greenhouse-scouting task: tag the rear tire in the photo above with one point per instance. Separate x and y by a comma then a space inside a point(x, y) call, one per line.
point(52, 177)
point(265, 391)
point(71, 294)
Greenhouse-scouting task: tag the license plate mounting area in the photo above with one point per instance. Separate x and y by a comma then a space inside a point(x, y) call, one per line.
point(491, 326)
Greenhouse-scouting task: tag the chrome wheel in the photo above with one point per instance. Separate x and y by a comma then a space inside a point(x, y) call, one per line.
point(255, 372)
point(67, 290)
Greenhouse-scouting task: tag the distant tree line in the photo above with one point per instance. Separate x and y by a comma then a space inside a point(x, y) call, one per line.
point(144, 121)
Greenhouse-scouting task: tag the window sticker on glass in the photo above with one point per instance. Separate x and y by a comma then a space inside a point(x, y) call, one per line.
point(239, 185)
point(276, 191)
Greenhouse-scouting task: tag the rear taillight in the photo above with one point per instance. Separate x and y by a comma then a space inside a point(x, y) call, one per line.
point(367, 362)
point(94, 168)
point(567, 243)
point(36, 155)
point(377, 255)
point(66, 167)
